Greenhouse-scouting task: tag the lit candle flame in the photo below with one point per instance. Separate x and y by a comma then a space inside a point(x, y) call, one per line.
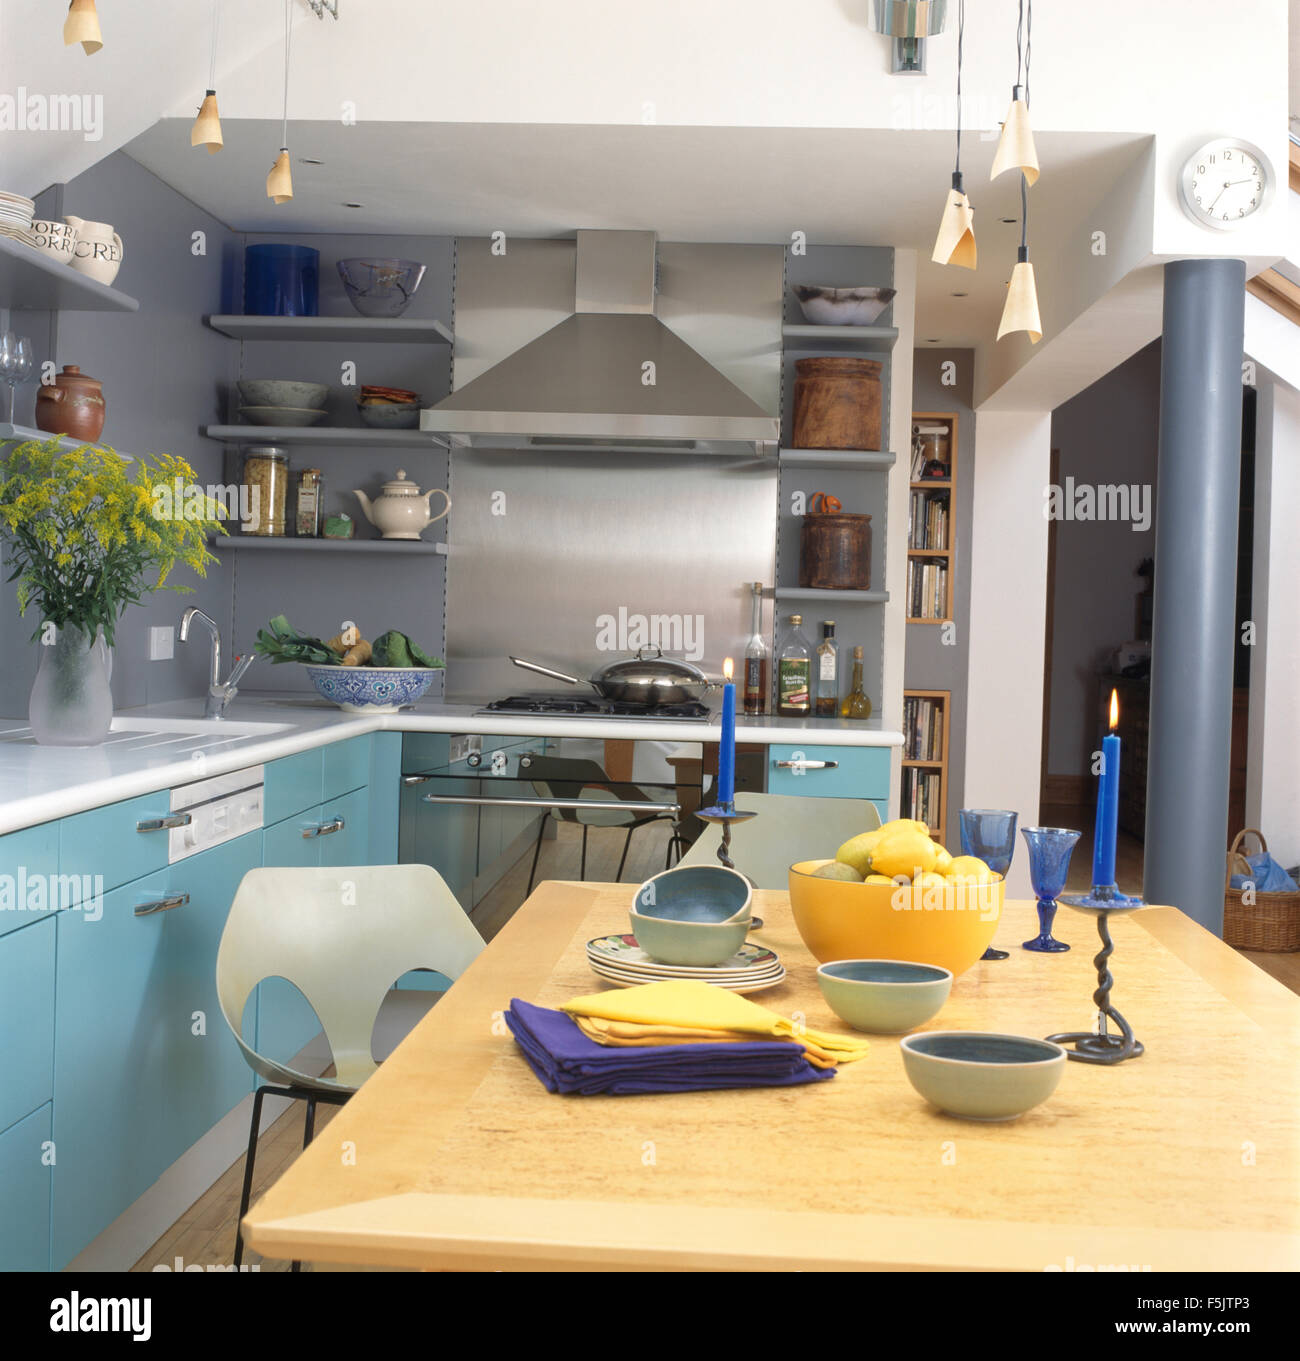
point(727, 669)
point(1114, 710)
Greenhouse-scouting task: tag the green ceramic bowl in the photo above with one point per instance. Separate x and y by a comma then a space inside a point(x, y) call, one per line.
point(981, 1076)
point(698, 943)
point(884, 996)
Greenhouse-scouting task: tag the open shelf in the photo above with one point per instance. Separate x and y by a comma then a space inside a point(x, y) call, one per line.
point(849, 597)
point(839, 339)
point(322, 435)
point(31, 281)
point(10, 434)
point(415, 547)
point(865, 459)
point(391, 330)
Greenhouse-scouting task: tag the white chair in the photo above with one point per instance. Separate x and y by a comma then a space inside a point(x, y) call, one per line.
point(343, 936)
point(788, 828)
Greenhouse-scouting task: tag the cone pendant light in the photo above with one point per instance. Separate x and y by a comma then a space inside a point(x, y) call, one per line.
point(82, 26)
point(1021, 310)
point(279, 183)
point(1016, 149)
point(955, 244)
point(207, 126)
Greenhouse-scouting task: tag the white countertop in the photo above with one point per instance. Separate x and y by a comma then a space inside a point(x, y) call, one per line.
point(39, 784)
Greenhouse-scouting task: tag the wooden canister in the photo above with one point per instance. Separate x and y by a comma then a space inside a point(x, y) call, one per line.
point(837, 403)
point(835, 553)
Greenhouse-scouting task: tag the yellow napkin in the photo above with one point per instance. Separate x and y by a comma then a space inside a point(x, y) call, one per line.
point(689, 1010)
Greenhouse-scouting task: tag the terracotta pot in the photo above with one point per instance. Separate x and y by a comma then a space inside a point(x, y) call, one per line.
point(837, 403)
point(74, 405)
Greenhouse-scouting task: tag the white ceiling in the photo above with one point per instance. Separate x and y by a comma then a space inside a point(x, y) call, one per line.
point(840, 186)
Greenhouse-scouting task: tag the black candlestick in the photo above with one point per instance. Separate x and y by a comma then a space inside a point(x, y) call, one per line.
point(1103, 1047)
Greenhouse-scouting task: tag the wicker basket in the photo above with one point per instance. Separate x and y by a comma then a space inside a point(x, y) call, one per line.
point(1271, 922)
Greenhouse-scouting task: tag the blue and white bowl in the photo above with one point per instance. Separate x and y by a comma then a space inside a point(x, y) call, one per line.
point(372, 689)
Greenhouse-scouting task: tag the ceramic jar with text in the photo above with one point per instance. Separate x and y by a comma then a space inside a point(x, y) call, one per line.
point(58, 240)
point(98, 253)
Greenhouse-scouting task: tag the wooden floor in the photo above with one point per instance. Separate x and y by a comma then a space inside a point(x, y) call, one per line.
point(205, 1233)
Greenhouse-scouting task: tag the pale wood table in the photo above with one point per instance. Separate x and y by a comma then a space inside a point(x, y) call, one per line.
point(454, 1156)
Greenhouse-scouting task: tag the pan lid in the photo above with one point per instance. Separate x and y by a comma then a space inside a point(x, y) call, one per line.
point(650, 667)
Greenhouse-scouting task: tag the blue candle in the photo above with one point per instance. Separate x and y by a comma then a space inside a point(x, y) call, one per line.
point(727, 741)
point(1103, 844)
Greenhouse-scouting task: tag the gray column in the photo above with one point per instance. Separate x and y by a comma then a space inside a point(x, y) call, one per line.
point(1195, 586)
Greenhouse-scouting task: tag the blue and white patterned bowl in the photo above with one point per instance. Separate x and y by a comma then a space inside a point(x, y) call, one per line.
point(372, 689)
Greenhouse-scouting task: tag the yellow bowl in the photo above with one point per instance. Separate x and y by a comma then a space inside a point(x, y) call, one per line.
point(950, 927)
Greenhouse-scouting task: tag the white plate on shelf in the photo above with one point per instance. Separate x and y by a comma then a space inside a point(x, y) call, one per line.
point(622, 951)
point(623, 980)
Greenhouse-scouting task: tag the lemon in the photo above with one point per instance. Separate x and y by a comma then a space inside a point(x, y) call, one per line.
point(904, 851)
point(856, 851)
point(835, 869)
point(930, 879)
point(880, 879)
point(943, 864)
point(971, 870)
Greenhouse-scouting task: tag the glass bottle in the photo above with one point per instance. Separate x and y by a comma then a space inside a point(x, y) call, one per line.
point(856, 704)
point(794, 673)
point(307, 516)
point(757, 658)
point(828, 672)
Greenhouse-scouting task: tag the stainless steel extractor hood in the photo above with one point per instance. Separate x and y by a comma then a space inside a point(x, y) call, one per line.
point(612, 375)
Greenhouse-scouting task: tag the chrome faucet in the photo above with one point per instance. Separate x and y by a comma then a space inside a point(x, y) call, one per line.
point(218, 695)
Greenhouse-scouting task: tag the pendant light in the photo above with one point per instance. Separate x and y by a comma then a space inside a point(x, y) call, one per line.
point(279, 183)
point(1016, 149)
point(955, 244)
point(82, 26)
point(1021, 310)
point(207, 126)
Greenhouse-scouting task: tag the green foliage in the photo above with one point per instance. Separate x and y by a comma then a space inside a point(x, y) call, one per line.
point(85, 530)
point(281, 643)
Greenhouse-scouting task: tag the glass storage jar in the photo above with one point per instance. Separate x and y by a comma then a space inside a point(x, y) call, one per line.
point(266, 484)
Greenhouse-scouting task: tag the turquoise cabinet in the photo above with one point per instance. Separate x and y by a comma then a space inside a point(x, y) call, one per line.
point(292, 784)
point(26, 1020)
point(117, 843)
point(144, 1064)
point(848, 772)
point(25, 1177)
point(29, 860)
point(345, 835)
point(344, 766)
point(384, 789)
point(442, 835)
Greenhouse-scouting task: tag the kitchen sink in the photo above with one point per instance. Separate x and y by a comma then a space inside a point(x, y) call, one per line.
point(179, 734)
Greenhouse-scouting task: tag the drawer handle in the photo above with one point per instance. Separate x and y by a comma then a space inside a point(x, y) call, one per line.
point(324, 828)
point(416, 779)
point(162, 905)
point(164, 824)
point(807, 765)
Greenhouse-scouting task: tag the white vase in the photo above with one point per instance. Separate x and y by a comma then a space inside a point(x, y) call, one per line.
point(71, 702)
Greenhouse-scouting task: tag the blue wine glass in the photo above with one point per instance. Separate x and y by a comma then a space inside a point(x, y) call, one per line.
point(1049, 863)
point(990, 835)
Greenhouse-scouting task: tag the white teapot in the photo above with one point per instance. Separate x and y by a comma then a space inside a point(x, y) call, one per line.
point(402, 511)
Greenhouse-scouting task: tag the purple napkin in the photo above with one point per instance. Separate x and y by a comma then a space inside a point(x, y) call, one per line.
point(567, 1061)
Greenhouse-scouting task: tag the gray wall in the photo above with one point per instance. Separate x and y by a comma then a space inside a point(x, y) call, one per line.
point(930, 663)
point(1105, 435)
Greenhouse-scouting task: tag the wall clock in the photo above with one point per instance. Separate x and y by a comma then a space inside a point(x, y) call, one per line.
point(1225, 183)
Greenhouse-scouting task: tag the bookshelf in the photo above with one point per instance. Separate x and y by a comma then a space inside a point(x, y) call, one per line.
point(931, 524)
point(925, 759)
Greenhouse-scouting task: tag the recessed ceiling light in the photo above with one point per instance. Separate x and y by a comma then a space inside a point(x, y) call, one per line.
point(309, 160)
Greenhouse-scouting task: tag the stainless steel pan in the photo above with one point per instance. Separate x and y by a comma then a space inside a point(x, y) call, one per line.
point(649, 678)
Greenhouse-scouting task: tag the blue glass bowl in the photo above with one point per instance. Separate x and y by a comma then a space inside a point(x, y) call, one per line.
point(372, 689)
point(694, 893)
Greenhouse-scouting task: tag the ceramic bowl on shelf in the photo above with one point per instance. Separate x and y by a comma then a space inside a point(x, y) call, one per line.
point(380, 288)
point(281, 415)
point(372, 689)
point(884, 996)
point(389, 415)
point(282, 392)
point(950, 927)
point(982, 1076)
point(698, 943)
point(695, 893)
point(842, 306)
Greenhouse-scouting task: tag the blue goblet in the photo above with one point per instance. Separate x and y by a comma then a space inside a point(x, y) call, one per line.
point(990, 835)
point(1049, 863)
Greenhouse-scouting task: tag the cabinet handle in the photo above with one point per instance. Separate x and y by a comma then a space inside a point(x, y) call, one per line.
point(162, 905)
point(416, 779)
point(164, 824)
point(324, 828)
point(807, 765)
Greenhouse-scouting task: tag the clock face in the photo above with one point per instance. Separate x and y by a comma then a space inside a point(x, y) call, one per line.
point(1225, 183)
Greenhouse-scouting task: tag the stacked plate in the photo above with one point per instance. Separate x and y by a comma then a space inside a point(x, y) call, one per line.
point(621, 961)
point(16, 213)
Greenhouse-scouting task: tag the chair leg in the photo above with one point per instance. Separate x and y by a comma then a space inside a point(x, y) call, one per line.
point(627, 841)
point(582, 870)
point(248, 1174)
point(309, 1125)
point(537, 850)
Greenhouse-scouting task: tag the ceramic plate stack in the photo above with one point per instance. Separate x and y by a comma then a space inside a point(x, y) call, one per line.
point(16, 213)
point(621, 961)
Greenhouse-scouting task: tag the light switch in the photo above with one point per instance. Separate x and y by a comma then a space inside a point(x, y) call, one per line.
point(162, 643)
